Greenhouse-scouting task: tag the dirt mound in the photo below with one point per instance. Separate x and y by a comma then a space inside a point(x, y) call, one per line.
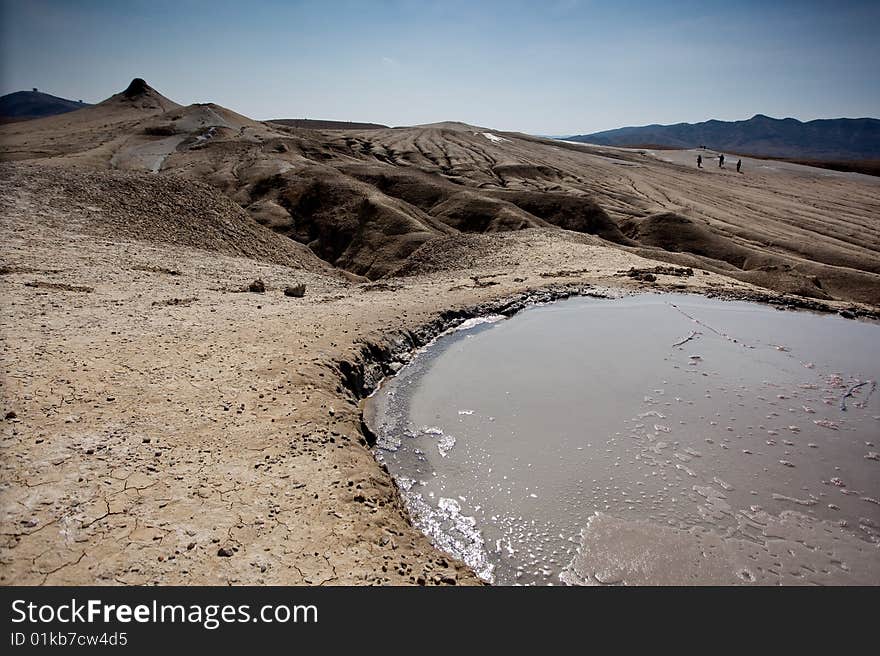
point(343, 221)
point(677, 239)
point(159, 209)
point(524, 171)
point(676, 233)
point(386, 235)
point(412, 186)
point(469, 211)
point(137, 87)
point(576, 213)
point(141, 95)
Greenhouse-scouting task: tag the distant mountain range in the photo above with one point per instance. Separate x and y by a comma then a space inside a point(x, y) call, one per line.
point(26, 105)
point(836, 139)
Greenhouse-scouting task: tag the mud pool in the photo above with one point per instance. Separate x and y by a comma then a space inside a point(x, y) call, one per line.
point(654, 439)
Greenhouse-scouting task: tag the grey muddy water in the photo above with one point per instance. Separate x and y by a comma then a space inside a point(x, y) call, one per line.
point(652, 439)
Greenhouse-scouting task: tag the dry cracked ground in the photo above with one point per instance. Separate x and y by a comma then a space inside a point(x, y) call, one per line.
point(165, 425)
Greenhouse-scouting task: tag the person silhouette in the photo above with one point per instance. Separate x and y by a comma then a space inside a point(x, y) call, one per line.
point(739, 165)
point(721, 161)
point(699, 161)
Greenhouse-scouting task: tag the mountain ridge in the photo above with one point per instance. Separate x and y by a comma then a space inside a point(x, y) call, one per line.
point(760, 135)
point(28, 105)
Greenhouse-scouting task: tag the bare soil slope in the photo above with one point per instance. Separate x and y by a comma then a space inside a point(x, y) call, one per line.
point(366, 200)
point(158, 209)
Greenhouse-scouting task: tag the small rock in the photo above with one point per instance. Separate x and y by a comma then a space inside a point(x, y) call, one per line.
point(225, 552)
point(11, 415)
point(296, 291)
point(257, 286)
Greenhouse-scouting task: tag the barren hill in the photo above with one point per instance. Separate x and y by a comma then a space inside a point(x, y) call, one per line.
point(91, 128)
point(27, 105)
point(366, 200)
point(162, 210)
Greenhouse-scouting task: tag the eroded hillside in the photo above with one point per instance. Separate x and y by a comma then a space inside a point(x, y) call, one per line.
point(367, 200)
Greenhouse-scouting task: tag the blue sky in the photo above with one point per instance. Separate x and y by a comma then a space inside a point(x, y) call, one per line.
point(552, 67)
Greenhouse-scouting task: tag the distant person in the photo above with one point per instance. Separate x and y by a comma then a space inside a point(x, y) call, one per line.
point(699, 161)
point(739, 165)
point(721, 161)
